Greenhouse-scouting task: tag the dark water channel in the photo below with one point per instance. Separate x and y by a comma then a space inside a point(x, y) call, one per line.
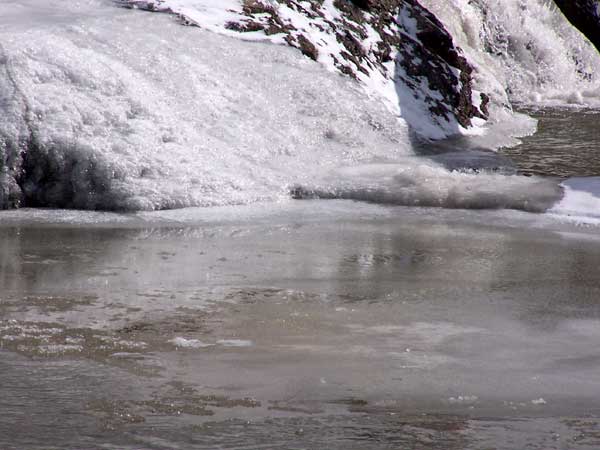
point(566, 144)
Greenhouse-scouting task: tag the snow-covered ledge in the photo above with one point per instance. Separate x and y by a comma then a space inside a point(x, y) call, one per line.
point(397, 50)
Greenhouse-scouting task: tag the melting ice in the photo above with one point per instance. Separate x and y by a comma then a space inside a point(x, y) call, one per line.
point(128, 110)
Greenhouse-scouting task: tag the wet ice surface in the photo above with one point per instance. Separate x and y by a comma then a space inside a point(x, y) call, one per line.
point(301, 327)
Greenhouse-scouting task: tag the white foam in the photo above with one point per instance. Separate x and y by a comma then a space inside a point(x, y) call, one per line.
point(188, 343)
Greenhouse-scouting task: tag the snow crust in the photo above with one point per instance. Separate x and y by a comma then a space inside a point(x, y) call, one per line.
point(132, 111)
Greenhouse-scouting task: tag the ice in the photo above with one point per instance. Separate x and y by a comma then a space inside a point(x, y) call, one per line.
point(463, 399)
point(524, 51)
point(132, 111)
point(54, 349)
point(195, 343)
point(581, 201)
point(118, 109)
point(418, 183)
point(235, 343)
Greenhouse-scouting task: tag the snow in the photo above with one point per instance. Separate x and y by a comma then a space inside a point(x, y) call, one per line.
point(524, 52)
point(131, 111)
point(384, 83)
point(207, 14)
point(581, 201)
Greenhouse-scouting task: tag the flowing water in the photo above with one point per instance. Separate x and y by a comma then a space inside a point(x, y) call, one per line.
point(314, 324)
point(566, 144)
point(260, 321)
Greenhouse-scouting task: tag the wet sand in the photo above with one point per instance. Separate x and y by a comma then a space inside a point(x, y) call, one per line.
point(407, 328)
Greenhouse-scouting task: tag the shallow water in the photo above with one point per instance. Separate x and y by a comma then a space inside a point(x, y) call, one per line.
point(310, 324)
point(303, 327)
point(566, 144)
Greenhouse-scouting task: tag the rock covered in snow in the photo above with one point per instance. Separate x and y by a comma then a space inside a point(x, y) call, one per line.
point(105, 108)
point(387, 45)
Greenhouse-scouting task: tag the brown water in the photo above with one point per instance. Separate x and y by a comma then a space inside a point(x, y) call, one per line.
point(312, 328)
point(567, 144)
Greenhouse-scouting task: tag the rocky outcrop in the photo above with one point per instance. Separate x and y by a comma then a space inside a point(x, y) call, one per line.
point(584, 15)
point(434, 57)
point(390, 46)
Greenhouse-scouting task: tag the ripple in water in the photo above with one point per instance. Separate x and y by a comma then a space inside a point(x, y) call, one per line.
point(567, 144)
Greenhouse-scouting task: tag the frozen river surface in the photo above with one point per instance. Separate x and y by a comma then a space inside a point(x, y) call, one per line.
point(301, 325)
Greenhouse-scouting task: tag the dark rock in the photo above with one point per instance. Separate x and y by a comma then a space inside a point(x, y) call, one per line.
point(308, 48)
point(483, 107)
point(244, 27)
point(584, 15)
point(434, 57)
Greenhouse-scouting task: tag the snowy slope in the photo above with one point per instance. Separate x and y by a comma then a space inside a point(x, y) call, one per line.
point(381, 47)
point(106, 108)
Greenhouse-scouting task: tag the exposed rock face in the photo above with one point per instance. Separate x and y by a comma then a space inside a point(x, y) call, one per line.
point(431, 57)
point(435, 57)
point(584, 15)
point(389, 44)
